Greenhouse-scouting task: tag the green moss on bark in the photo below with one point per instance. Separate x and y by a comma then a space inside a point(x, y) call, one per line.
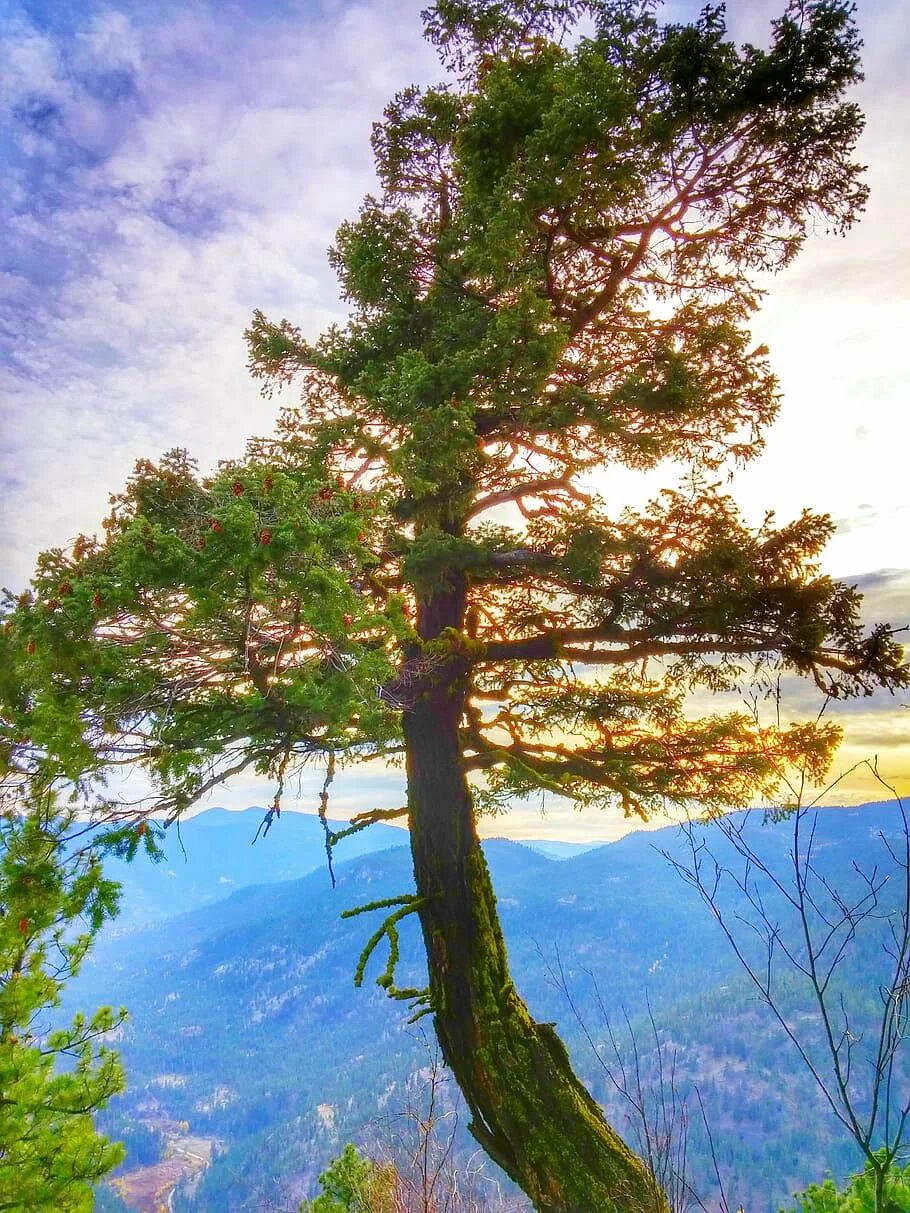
point(529, 1111)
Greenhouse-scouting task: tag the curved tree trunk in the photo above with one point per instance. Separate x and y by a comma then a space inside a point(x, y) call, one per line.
point(529, 1111)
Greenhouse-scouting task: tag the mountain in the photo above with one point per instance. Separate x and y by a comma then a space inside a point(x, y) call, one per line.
point(554, 849)
point(244, 1022)
point(217, 852)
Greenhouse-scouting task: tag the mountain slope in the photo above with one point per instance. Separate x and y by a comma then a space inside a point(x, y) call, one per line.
point(217, 852)
point(244, 1021)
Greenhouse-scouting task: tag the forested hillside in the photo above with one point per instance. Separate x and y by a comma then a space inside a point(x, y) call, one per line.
point(217, 852)
point(245, 1022)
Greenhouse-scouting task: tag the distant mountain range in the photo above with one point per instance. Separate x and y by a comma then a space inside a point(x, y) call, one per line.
point(245, 1024)
point(217, 852)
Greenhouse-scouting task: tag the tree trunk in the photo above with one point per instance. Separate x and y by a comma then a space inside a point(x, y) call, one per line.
point(529, 1111)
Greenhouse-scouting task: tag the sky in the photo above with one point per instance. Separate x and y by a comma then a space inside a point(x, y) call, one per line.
point(169, 167)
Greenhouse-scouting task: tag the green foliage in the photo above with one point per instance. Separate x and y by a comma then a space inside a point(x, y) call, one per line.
point(221, 624)
point(858, 1196)
point(51, 1078)
point(388, 929)
point(354, 1184)
point(557, 276)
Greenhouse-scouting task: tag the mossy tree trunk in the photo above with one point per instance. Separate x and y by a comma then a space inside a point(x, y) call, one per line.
point(529, 1111)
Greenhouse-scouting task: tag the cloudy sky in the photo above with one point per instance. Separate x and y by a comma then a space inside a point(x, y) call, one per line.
point(169, 167)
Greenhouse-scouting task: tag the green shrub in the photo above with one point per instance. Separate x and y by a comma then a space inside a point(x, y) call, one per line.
point(858, 1196)
point(353, 1184)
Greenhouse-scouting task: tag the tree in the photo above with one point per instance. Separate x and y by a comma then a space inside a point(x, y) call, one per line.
point(845, 947)
point(859, 1196)
point(420, 1141)
point(51, 1081)
point(556, 277)
point(353, 1184)
point(655, 1107)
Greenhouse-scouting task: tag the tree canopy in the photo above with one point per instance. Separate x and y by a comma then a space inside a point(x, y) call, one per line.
point(555, 277)
point(51, 1078)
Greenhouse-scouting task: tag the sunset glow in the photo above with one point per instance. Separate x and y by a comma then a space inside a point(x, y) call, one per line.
point(156, 198)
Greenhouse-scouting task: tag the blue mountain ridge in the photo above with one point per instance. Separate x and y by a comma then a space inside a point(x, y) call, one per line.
point(215, 853)
point(244, 1020)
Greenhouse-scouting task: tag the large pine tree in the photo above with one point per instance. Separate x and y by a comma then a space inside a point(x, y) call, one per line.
point(557, 277)
point(53, 901)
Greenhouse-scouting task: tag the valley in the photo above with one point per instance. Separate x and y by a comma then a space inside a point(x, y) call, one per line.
point(245, 1026)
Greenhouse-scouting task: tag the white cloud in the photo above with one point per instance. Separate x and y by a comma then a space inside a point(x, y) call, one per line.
point(197, 169)
point(110, 41)
point(29, 65)
point(222, 196)
point(245, 148)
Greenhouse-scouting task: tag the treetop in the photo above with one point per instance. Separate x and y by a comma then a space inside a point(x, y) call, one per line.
point(558, 276)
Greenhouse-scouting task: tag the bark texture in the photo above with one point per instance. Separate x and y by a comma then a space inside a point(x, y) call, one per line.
point(529, 1111)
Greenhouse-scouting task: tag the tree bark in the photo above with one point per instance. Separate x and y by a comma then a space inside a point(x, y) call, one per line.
point(529, 1111)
